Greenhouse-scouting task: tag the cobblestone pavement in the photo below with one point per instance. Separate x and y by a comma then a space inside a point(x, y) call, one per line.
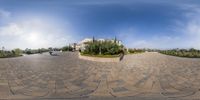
point(147, 76)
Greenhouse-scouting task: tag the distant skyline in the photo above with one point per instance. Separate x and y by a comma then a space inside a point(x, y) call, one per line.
point(161, 24)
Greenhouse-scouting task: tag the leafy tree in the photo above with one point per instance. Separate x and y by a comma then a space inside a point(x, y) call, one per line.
point(102, 48)
point(18, 51)
point(192, 53)
point(136, 50)
point(67, 48)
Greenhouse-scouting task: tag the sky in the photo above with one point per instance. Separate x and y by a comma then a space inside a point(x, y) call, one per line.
point(160, 24)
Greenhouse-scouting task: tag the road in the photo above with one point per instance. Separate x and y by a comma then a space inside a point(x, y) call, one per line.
point(146, 76)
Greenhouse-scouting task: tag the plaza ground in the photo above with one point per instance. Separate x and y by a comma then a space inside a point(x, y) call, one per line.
point(146, 76)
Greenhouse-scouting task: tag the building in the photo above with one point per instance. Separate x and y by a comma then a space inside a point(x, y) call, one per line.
point(82, 44)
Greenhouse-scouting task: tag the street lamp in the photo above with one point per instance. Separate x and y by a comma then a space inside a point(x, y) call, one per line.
point(100, 48)
point(3, 48)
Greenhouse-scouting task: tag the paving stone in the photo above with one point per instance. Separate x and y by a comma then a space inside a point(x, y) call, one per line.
point(146, 76)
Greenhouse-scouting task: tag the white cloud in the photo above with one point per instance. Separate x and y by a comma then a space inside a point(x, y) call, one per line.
point(191, 26)
point(4, 13)
point(12, 29)
point(161, 42)
point(132, 39)
point(192, 32)
point(142, 44)
point(34, 33)
point(187, 32)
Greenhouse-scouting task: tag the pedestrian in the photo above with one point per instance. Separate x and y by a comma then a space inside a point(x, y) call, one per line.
point(121, 55)
point(50, 52)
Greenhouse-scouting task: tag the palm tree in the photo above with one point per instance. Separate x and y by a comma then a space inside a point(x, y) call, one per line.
point(115, 40)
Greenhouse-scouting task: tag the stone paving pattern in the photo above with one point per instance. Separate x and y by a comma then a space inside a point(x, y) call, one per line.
point(147, 76)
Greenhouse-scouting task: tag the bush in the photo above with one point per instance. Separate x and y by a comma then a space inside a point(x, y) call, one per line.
point(192, 53)
point(136, 50)
point(102, 48)
point(67, 48)
point(35, 51)
point(12, 53)
point(18, 51)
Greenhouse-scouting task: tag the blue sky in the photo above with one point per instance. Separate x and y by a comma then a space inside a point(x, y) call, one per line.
point(159, 24)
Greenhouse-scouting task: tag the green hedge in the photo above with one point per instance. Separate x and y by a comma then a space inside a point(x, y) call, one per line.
point(12, 53)
point(103, 48)
point(191, 53)
point(131, 51)
point(67, 48)
point(101, 56)
point(35, 51)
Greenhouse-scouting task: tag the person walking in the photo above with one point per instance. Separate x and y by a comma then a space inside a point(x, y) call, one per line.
point(50, 52)
point(121, 55)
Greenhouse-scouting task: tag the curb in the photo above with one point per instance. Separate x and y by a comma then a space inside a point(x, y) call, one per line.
point(98, 59)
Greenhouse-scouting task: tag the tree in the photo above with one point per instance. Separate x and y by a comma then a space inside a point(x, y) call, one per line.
point(67, 48)
point(93, 39)
point(102, 47)
point(18, 51)
point(115, 41)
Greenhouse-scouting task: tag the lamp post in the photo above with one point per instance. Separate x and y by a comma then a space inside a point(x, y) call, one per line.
point(74, 47)
point(100, 48)
point(3, 48)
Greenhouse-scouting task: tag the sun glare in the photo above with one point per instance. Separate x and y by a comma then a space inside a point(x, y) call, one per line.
point(33, 38)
